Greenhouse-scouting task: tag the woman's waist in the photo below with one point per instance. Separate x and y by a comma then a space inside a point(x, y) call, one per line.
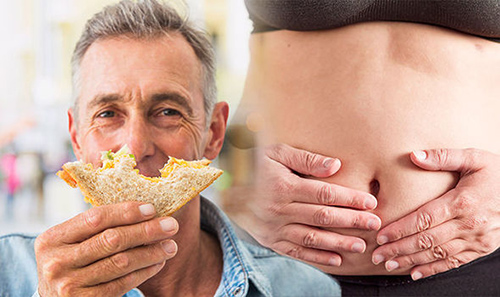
point(372, 62)
point(375, 105)
point(413, 44)
point(375, 158)
point(400, 188)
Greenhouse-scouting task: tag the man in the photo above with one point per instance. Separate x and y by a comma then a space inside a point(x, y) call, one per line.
point(144, 77)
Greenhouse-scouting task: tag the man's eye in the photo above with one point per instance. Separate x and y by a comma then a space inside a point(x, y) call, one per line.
point(170, 112)
point(106, 114)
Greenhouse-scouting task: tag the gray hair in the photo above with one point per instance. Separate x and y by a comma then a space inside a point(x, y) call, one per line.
point(142, 20)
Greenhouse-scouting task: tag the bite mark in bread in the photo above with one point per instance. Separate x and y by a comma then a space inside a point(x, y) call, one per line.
point(118, 181)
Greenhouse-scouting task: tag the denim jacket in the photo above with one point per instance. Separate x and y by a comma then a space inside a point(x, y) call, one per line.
point(248, 269)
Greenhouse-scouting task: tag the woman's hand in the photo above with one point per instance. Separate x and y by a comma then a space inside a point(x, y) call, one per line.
point(289, 211)
point(454, 229)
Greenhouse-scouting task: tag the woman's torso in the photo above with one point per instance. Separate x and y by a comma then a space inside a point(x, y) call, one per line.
point(370, 94)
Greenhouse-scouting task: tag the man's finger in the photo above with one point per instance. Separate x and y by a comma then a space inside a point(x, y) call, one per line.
point(302, 161)
point(128, 282)
point(459, 160)
point(98, 219)
point(127, 262)
point(431, 214)
point(115, 240)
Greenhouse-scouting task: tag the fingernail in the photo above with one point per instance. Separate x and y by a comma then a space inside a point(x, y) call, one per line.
point(420, 155)
point(373, 224)
point(168, 224)
point(370, 203)
point(147, 210)
point(328, 162)
point(332, 163)
point(416, 275)
point(391, 265)
point(334, 261)
point(169, 246)
point(377, 259)
point(358, 247)
point(382, 239)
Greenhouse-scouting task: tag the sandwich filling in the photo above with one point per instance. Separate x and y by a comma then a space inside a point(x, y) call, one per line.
point(118, 181)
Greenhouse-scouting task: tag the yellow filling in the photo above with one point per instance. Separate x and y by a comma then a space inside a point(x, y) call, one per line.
point(110, 159)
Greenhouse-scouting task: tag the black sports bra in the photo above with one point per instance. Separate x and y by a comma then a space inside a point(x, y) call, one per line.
point(476, 17)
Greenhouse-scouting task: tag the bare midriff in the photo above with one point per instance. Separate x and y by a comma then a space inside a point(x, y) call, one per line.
point(369, 94)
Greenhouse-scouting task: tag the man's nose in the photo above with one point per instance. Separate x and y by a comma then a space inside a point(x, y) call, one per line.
point(139, 139)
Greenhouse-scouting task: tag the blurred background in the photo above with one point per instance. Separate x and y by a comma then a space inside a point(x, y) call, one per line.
point(35, 91)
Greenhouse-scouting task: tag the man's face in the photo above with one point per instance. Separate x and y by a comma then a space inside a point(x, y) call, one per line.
point(143, 93)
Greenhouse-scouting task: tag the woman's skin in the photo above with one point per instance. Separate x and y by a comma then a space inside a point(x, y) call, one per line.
point(369, 94)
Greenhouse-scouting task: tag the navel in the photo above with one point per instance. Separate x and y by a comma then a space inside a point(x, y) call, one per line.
point(374, 187)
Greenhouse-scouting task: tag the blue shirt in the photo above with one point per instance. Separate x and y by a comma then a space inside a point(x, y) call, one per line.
point(248, 269)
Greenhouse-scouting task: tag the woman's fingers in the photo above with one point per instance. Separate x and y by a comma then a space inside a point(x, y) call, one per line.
point(330, 216)
point(459, 160)
point(318, 192)
point(444, 265)
point(433, 213)
point(287, 211)
point(433, 241)
point(302, 161)
point(307, 254)
point(315, 238)
point(453, 229)
point(436, 253)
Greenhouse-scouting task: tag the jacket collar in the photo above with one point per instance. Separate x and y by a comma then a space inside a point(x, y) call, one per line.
point(239, 269)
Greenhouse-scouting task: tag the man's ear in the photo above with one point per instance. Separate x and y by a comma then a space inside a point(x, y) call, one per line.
point(73, 133)
point(217, 130)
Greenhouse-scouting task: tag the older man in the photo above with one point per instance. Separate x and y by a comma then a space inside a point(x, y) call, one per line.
point(144, 77)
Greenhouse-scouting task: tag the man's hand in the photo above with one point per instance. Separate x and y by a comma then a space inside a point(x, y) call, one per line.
point(290, 211)
point(454, 229)
point(105, 251)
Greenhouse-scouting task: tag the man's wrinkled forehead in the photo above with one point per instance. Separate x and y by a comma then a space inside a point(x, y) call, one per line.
point(112, 63)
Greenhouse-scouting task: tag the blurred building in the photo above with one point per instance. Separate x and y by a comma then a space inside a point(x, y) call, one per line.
point(35, 93)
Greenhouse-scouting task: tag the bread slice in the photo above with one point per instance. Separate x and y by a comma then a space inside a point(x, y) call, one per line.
point(118, 181)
